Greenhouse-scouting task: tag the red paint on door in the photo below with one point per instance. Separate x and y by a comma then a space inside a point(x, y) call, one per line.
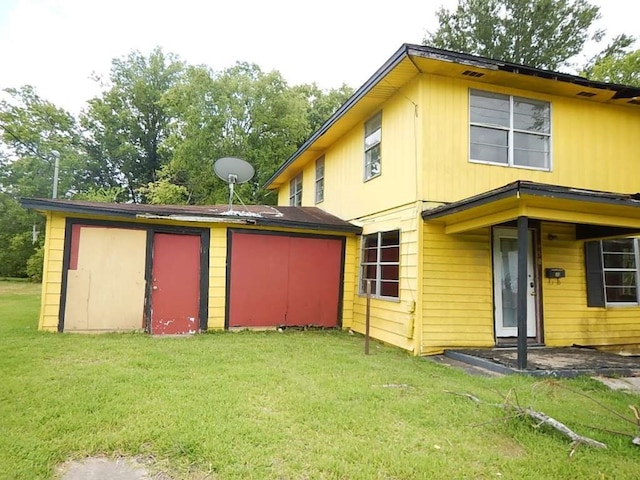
point(175, 284)
point(280, 280)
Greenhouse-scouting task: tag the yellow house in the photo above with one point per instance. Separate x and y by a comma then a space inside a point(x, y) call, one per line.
point(185, 269)
point(496, 203)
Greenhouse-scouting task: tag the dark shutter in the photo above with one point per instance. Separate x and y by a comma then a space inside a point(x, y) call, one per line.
point(595, 281)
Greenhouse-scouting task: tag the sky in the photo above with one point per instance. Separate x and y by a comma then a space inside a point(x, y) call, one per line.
point(57, 45)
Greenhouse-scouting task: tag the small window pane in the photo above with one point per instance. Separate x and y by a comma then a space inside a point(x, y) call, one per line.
point(390, 238)
point(372, 139)
point(531, 115)
point(372, 162)
point(531, 150)
point(390, 254)
point(489, 108)
point(619, 245)
point(371, 254)
point(619, 260)
point(375, 123)
point(620, 279)
point(390, 272)
point(389, 289)
point(370, 272)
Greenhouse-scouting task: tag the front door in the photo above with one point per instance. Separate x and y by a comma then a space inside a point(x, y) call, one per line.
point(175, 283)
point(505, 283)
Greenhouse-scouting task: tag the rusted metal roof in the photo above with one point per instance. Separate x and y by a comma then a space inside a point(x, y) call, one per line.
point(311, 218)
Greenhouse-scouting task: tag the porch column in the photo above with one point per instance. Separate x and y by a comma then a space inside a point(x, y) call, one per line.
point(523, 248)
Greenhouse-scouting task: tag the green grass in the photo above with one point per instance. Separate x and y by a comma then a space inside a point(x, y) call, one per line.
point(268, 405)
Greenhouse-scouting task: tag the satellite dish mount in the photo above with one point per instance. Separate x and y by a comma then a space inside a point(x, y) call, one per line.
point(233, 170)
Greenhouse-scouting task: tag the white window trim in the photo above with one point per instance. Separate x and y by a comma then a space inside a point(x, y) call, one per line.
point(364, 164)
point(320, 180)
point(510, 130)
point(362, 292)
point(637, 272)
point(294, 191)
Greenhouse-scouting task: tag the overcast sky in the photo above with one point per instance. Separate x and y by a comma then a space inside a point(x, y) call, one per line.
point(56, 45)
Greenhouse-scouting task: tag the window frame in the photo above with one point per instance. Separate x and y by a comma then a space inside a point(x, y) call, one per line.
point(511, 132)
point(319, 184)
point(295, 191)
point(635, 270)
point(375, 119)
point(376, 283)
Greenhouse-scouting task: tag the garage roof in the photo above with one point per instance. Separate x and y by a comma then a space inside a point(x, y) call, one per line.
point(260, 215)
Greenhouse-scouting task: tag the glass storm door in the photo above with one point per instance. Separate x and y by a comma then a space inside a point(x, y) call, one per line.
point(505, 283)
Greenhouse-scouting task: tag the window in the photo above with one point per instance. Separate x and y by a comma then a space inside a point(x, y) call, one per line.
point(620, 270)
point(612, 272)
point(380, 263)
point(511, 131)
point(295, 191)
point(320, 179)
point(372, 140)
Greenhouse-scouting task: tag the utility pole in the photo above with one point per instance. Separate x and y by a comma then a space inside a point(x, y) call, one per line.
point(56, 167)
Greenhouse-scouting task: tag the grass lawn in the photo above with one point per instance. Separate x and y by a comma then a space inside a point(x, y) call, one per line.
point(293, 405)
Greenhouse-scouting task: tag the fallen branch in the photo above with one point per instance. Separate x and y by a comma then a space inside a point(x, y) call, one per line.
point(542, 419)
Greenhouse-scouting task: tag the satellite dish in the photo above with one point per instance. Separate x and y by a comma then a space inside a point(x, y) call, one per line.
point(233, 170)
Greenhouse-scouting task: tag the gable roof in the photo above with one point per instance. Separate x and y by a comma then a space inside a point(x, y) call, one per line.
point(310, 218)
point(410, 60)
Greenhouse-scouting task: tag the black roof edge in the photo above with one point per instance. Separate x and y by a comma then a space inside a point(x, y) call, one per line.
point(353, 99)
point(407, 49)
point(46, 204)
point(524, 187)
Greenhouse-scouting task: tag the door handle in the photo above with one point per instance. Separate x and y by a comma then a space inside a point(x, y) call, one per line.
point(155, 287)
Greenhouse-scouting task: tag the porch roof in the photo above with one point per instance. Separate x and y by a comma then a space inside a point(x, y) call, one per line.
point(596, 213)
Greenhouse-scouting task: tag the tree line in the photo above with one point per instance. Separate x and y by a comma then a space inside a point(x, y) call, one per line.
point(152, 133)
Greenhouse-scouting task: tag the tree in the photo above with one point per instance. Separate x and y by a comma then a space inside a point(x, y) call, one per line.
point(16, 241)
point(31, 130)
point(616, 63)
point(322, 103)
point(539, 33)
point(129, 122)
point(242, 112)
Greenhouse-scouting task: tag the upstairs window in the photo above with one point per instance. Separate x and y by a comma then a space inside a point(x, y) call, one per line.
point(295, 191)
point(372, 141)
point(380, 263)
point(612, 272)
point(320, 179)
point(510, 131)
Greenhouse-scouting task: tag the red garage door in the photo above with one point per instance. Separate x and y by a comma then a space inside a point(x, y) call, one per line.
point(284, 280)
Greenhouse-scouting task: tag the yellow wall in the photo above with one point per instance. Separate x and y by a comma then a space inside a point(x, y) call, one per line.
point(593, 145)
point(567, 319)
point(458, 290)
point(393, 322)
point(346, 194)
point(52, 273)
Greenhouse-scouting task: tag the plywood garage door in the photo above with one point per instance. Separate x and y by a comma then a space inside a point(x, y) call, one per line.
point(277, 280)
point(105, 281)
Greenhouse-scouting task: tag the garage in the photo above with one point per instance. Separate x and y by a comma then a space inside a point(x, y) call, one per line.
point(276, 279)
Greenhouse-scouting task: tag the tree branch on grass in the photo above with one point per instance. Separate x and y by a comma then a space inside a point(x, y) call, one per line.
point(541, 418)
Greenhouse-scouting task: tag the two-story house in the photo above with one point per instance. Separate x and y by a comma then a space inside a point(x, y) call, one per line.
point(490, 195)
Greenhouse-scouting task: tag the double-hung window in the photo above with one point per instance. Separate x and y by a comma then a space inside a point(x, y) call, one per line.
point(620, 270)
point(510, 131)
point(295, 191)
point(380, 263)
point(372, 144)
point(612, 272)
point(320, 179)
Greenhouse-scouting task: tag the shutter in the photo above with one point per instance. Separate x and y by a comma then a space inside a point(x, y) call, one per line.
point(595, 281)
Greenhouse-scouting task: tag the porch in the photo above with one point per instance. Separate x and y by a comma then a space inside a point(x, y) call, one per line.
point(565, 362)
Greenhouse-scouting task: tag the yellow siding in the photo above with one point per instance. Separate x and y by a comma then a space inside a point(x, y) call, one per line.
point(350, 280)
point(392, 321)
point(587, 139)
point(457, 307)
point(567, 319)
point(217, 277)
point(345, 190)
point(52, 272)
